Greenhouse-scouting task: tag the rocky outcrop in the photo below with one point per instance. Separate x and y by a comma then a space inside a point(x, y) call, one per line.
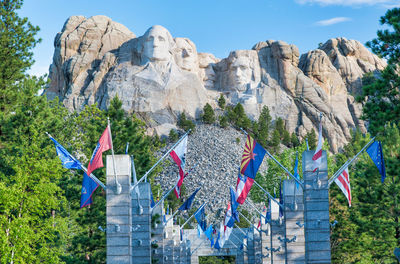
point(158, 77)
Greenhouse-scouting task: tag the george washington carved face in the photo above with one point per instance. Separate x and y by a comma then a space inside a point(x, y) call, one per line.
point(157, 43)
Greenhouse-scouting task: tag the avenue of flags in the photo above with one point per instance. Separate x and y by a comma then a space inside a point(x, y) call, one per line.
point(251, 161)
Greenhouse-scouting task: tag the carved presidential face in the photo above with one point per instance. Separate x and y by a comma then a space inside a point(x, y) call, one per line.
point(240, 73)
point(186, 54)
point(157, 42)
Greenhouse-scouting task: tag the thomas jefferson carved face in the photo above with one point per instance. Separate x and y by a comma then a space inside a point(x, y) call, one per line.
point(157, 43)
point(186, 54)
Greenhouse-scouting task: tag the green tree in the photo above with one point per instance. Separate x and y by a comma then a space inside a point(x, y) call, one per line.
point(238, 117)
point(280, 126)
point(294, 140)
point(173, 136)
point(312, 139)
point(33, 227)
point(275, 140)
point(208, 114)
point(223, 121)
point(185, 123)
point(263, 126)
point(382, 94)
point(17, 39)
point(221, 101)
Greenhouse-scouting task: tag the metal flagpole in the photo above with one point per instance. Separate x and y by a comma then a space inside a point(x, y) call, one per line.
point(248, 221)
point(118, 185)
point(241, 230)
point(170, 190)
point(255, 208)
point(163, 157)
point(283, 167)
point(337, 174)
point(84, 169)
point(204, 204)
point(171, 217)
point(191, 253)
point(239, 240)
point(269, 195)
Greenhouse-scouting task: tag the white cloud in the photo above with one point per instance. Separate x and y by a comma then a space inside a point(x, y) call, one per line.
point(38, 70)
point(349, 2)
point(332, 21)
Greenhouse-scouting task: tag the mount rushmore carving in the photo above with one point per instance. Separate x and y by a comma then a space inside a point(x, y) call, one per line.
point(158, 77)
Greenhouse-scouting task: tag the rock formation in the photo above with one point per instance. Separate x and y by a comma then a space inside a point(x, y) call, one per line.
point(158, 77)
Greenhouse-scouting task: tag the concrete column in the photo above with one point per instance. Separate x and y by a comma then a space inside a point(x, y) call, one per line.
point(316, 210)
point(141, 223)
point(294, 222)
point(118, 211)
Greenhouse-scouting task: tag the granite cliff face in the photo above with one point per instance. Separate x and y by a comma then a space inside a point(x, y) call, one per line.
point(158, 77)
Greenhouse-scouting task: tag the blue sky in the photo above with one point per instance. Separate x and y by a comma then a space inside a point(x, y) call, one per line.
point(217, 26)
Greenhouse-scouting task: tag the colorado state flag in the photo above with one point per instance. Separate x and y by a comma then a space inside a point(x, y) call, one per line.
point(252, 158)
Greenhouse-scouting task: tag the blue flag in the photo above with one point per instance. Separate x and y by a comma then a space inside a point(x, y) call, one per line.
point(234, 205)
point(188, 203)
point(212, 241)
point(208, 232)
point(376, 154)
point(152, 204)
point(200, 218)
point(88, 187)
point(198, 230)
point(181, 234)
point(67, 160)
point(280, 199)
point(268, 214)
point(296, 170)
point(216, 245)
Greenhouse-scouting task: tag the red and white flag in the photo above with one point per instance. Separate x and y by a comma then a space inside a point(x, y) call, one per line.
point(243, 186)
point(227, 229)
point(343, 181)
point(179, 156)
point(105, 143)
point(318, 151)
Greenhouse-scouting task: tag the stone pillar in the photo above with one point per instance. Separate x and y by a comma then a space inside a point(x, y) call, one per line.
point(294, 222)
point(316, 210)
point(118, 211)
point(141, 224)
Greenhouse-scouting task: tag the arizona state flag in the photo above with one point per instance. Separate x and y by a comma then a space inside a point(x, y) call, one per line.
point(252, 158)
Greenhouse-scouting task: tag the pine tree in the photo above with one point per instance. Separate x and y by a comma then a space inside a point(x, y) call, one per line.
point(223, 121)
point(294, 140)
point(263, 126)
point(312, 139)
point(221, 101)
point(17, 39)
point(185, 123)
point(208, 114)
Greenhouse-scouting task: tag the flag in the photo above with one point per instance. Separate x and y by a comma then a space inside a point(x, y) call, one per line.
point(343, 181)
point(135, 179)
point(243, 187)
point(212, 241)
point(280, 199)
point(268, 214)
point(318, 151)
point(179, 156)
point(67, 160)
point(222, 235)
point(88, 187)
point(208, 232)
point(217, 243)
point(104, 144)
point(252, 158)
point(188, 203)
point(376, 154)
point(259, 222)
point(200, 217)
point(198, 230)
point(234, 205)
point(168, 210)
point(296, 170)
point(152, 204)
point(181, 233)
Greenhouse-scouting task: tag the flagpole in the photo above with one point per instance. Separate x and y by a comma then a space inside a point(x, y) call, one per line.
point(84, 169)
point(337, 173)
point(248, 221)
point(283, 167)
point(170, 217)
point(170, 190)
point(118, 185)
point(191, 253)
point(204, 204)
point(269, 195)
point(241, 230)
point(163, 157)
point(256, 209)
point(242, 242)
